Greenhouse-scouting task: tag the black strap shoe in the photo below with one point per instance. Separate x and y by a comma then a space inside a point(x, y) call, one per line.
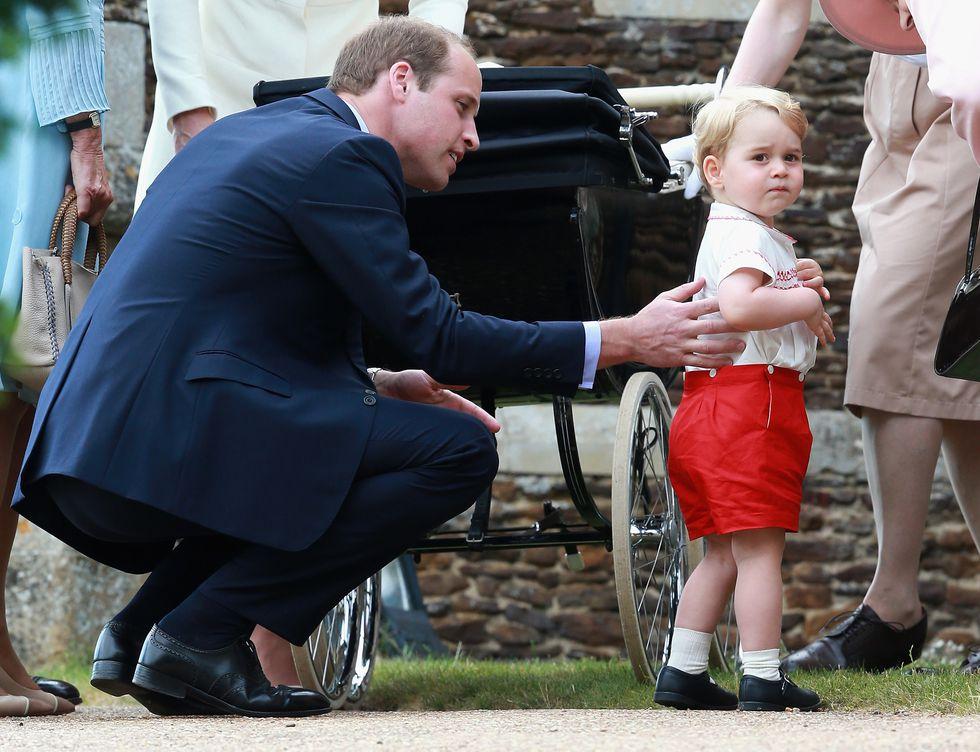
point(679, 689)
point(229, 679)
point(775, 694)
point(114, 663)
point(861, 641)
point(971, 664)
point(59, 688)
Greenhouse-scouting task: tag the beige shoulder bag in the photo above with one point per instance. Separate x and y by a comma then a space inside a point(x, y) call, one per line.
point(54, 289)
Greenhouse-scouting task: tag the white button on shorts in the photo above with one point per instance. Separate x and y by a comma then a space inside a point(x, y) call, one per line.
point(713, 372)
point(770, 369)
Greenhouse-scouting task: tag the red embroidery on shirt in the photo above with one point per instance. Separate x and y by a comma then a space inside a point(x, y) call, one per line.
point(786, 279)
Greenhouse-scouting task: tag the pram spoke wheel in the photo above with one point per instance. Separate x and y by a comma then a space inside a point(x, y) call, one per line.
point(369, 624)
point(648, 534)
point(325, 662)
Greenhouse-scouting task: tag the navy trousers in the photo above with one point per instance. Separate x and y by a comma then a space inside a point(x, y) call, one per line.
point(422, 466)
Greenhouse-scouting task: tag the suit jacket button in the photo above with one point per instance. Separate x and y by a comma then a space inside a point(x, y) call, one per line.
point(370, 391)
point(557, 373)
point(527, 373)
point(537, 373)
point(370, 399)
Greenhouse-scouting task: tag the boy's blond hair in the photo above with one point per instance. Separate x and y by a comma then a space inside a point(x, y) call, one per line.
point(716, 121)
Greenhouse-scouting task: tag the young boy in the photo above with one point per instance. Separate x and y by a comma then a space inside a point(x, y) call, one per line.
point(740, 441)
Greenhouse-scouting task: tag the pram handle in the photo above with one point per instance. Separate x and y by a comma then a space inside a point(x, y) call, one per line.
point(644, 97)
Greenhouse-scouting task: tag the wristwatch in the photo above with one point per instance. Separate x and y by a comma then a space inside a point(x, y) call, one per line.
point(92, 121)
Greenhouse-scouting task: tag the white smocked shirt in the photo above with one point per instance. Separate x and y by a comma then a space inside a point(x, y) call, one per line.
point(737, 239)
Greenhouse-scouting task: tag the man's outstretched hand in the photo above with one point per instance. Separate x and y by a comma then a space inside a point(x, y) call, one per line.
point(418, 386)
point(665, 333)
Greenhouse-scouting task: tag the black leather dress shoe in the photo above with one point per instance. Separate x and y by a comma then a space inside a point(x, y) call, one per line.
point(971, 664)
point(230, 679)
point(59, 688)
point(114, 663)
point(679, 689)
point(774, 694)
point(862, 641)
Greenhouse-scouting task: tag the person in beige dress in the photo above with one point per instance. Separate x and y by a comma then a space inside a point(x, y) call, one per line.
point(912, 204)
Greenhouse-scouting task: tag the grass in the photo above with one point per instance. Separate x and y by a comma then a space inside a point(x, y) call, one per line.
point(447, 684)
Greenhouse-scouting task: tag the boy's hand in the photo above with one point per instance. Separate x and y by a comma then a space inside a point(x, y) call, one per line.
point(810, 274)
point(822, 326)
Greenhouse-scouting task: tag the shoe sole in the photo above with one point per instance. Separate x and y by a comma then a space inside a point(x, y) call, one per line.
point(156, 681)
point(114, 678)
point(774, 707)
point(683, 702)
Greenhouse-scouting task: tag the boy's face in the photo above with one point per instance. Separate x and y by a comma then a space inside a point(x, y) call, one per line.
point(762, 170)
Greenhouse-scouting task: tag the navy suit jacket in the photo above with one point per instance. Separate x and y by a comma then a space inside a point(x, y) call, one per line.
point(216, 371)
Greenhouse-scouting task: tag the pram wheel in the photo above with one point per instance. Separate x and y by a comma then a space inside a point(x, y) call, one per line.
point(325, 662)
point(368, 626)
point(648, 533)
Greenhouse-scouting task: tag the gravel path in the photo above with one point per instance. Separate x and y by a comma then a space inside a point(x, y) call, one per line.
point(107, 729)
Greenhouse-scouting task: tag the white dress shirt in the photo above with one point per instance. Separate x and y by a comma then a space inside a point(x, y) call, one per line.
point(737, 239)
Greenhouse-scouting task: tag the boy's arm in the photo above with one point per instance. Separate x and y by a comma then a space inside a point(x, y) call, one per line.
point(748, 305)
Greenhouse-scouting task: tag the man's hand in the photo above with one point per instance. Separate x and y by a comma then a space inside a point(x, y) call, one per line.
point(666, 332)
point(418, 386)
point(88, 175)
point(810, 274)
point(188, 124)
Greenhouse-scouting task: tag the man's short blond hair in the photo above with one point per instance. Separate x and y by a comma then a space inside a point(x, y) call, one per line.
point(389, 40)
point(716, 121)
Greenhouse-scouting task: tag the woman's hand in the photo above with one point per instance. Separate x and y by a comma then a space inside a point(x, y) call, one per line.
point(188, 124)
point(810, 274)
point(88, 175)
point(418, 386)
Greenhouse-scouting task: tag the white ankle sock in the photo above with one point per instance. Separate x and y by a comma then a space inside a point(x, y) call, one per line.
point(761, 663)
point(689, 650)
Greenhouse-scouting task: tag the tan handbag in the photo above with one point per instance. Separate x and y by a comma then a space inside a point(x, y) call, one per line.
point(54, 289)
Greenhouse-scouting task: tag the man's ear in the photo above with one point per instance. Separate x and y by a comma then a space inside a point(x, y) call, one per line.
point(400, 79)
point(711, 169)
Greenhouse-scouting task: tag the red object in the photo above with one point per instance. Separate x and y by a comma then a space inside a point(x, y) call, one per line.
point(739, 447)
point(873, 24)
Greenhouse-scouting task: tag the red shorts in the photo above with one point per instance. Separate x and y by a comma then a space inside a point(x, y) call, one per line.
point(739, 447)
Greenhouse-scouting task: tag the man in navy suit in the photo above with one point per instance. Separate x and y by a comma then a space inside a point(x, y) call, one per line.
point(214, 391)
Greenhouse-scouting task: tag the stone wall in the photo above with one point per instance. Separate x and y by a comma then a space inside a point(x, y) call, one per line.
point(528, 603)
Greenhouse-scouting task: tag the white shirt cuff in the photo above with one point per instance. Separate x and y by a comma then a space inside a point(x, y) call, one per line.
point(593, 344)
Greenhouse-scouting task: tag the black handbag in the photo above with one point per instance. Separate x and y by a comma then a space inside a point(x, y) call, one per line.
point(958, 352)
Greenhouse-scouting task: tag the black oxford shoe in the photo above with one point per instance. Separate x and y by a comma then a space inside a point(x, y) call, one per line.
point(679, 689)
point(862, 641)
point(58, 688)
point(114, 663)
point(971, 664)
point(229, 679)
point(774, 694)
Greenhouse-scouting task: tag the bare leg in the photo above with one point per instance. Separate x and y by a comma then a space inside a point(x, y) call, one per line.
point(758, 555)
point(961, 450)
point(14, 417)
point(709, 587)
point(276, 657)
point(901, 452)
